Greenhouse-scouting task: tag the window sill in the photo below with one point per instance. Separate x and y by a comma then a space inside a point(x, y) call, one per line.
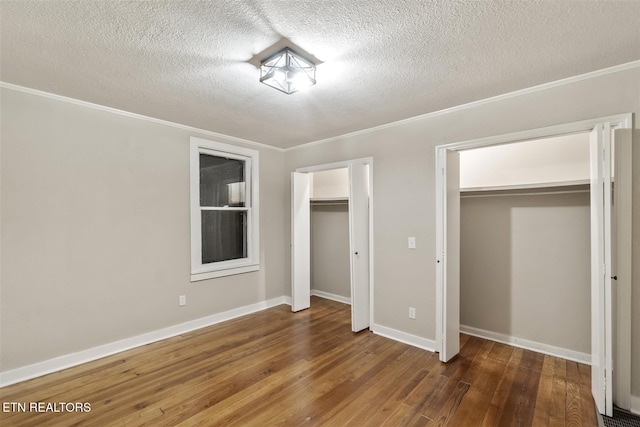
point(197, 276)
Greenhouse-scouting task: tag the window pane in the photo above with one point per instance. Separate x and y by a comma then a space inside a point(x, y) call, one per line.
point(221, 181)
point(224, 235)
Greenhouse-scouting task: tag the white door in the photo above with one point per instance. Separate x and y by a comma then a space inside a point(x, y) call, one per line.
point(448, 253)
point(601, 308)
point(300, 241)
point(359, 245)
point(451, 342)
point(622, 244)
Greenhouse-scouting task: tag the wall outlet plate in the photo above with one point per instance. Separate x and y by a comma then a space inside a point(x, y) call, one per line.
point(182, 300)
point(412, 313)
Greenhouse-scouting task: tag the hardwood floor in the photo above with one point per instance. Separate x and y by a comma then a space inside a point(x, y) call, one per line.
point(281, 368)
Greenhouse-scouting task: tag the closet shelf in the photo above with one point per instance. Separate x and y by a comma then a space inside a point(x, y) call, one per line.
point(542, 185)
point(528, 189)
point(330, 201)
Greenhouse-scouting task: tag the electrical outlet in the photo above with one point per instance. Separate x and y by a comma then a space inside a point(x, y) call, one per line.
point(411, 241)
point(412, 313)
point(183, 300)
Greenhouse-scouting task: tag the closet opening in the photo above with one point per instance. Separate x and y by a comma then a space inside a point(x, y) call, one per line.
point(330, 264)
point(331, 237)
point(525, 260)
point(610, 226)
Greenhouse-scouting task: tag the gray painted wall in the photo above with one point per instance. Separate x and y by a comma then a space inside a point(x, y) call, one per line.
point(95, 223)
point(525, 267)
point(404, 184)
point(330, 270)
point(95, 230)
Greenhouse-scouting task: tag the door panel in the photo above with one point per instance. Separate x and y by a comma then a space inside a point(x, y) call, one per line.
point(300, 241)
point(622, 262)
point(359, 245)
point(451, 294)
point(448, 254)
point(601, 296)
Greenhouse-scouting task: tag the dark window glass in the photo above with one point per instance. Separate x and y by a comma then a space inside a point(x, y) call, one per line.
point(224, 235)
point(222, 181)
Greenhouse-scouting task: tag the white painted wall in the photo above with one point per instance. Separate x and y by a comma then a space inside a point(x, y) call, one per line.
point(332, 183)
point(549, 160)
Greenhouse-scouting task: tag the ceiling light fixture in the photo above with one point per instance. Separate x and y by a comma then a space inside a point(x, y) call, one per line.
point(287, 71)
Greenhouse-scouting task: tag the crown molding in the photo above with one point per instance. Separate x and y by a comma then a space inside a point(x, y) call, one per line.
point(86, 104)
point(473, 104)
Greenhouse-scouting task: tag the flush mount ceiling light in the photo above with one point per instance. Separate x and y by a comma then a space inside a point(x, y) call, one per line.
point(287, 71)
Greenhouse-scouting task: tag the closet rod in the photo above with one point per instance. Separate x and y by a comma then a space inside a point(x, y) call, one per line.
point(515, 193)
point(340, 201)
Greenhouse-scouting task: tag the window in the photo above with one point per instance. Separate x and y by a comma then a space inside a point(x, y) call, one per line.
point(224, 209)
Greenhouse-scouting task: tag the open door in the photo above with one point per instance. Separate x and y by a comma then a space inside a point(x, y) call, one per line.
point(601, 296)
point(622, 262)
point(359, 245)
point(300, 241)
point(448, 252)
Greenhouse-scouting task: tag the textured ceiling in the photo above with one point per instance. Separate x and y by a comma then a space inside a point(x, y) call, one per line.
point(193, 62)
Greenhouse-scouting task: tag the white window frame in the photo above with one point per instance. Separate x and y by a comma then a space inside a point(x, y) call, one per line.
point(212, 270)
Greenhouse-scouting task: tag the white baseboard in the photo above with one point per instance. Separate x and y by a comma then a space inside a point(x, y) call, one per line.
point(635, 404)
point(538, 347)
point(68, 360)
point(333, 297)
point(403, 337)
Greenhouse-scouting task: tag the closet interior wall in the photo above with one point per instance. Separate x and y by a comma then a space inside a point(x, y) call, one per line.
point(525, 267)
point(330, 266)
point(525, 250)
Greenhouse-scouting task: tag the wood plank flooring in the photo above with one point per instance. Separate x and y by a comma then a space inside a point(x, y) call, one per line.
point(277, 368)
